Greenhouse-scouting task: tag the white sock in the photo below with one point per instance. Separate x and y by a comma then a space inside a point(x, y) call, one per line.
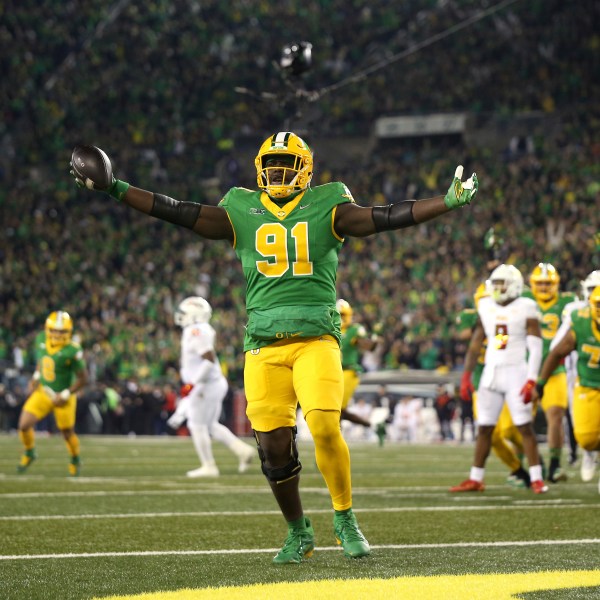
point(535, 472)
point(477, 474)
point(202, 443)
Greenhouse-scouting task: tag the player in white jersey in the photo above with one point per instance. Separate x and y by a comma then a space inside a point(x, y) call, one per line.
point(588, 463)
point(511, 325)
point(201, 370)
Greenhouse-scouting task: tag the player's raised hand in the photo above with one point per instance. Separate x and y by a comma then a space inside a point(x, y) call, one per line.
point(461, 193)
point(92, 169)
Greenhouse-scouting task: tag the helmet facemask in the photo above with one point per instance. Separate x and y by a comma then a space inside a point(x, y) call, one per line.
point(505, 283)
point(544, 282)
point(59, 330)
point(283, 165)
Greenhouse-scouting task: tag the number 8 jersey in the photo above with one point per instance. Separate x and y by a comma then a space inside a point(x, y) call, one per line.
point(506, 330)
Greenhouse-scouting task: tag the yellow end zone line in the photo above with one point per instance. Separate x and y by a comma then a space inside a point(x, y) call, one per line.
point(507, 544)
point(497, 586)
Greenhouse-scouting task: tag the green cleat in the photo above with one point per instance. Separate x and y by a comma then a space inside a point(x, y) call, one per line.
point(299, 544)
point(26, 459)
point(348, 534)
point(74, 466)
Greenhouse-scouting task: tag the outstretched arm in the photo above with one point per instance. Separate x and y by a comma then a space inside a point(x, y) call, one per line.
point(210, 222)
point(358, 221)
point(92, 169)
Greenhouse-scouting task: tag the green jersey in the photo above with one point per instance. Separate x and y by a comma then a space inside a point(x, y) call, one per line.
point(587, 336)
point(551, 318)
point(58, 368)
point(349, 347)
point(289, 256)
point(467, 319)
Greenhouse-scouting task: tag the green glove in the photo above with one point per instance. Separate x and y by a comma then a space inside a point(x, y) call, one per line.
point(117, 188)
point(460, 193)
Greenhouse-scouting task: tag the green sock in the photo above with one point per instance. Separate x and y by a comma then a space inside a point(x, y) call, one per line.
point(297, 523)
point(555, 453)
point(343, 512)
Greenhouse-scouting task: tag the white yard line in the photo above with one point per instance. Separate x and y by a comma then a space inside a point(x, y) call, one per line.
point(321, 549)
point(249, 513)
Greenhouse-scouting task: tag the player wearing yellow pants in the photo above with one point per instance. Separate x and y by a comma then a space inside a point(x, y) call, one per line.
point(354, 341)
point(544, 281)
point(61, 371)
point(287, 236)
point(582, 336)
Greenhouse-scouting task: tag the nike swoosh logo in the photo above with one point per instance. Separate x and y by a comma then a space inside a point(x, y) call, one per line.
point(302, 207)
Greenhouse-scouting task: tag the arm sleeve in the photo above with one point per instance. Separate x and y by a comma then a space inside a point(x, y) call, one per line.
point(534, 362)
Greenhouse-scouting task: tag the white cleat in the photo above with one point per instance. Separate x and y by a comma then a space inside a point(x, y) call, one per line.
point(205, 471)
point(245, 461)
point(588, 465)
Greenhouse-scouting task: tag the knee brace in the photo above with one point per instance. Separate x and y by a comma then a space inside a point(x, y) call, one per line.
point(281, 474)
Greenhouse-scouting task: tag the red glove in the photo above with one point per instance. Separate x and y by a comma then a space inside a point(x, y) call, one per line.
point(527, 391)
point(466, 387)
point(185, 389)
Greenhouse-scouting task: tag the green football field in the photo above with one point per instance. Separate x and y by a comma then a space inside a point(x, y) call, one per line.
point(134, 524)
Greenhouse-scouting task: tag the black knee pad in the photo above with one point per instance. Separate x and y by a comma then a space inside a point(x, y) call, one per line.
point(281, 474)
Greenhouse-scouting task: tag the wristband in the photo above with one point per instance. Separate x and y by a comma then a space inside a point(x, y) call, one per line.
point(118, 189)
point(36, 376)
point(542, 382)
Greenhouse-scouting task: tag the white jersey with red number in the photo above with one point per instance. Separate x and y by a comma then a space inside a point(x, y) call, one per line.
point(197, 340)
point(506, 330)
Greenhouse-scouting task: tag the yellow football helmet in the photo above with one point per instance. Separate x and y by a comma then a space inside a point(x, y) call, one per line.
point(284, 165)
point(480, 292)
point(59, 329)
point(345, 311)
point(544, 282)
point(595, 305)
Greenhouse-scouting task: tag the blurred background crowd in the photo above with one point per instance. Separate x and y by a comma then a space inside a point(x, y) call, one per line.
point(181, 93)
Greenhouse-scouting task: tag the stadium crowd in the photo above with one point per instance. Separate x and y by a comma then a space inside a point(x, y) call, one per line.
point(165, 99)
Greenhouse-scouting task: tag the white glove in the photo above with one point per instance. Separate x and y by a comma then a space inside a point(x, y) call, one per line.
point(57, 397)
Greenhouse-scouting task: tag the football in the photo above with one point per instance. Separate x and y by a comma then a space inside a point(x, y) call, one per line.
point(92, 166)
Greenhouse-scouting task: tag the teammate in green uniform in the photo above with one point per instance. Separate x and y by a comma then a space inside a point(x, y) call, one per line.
point(60, 373)
point(544, 282)
point(355, 340)
point(287, 236)
point(584, 337)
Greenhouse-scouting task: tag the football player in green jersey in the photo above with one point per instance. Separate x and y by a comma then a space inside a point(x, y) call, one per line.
point(544, 281)
point(584, 337)
point(354, 340)
point(287, 236)
point(60, 373)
